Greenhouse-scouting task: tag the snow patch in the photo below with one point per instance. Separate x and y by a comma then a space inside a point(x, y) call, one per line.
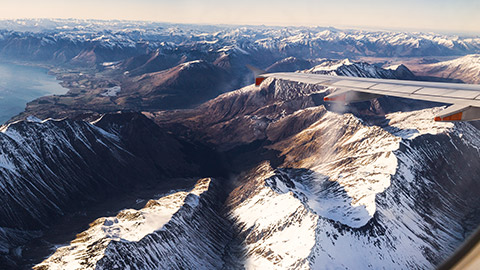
point(282, 247)
point(359, 158)
point(190, 64)
point(330, 65)
point(34, 119)
point(112, 91)
point(409, 125)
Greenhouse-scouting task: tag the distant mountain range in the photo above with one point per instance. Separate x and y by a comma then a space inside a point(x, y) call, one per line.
point(93, 42)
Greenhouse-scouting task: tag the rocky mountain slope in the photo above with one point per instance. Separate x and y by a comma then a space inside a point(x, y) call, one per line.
point(187, 84)
point(54, 167)
point(380, 206)
point(181, 230)
point(228, 120)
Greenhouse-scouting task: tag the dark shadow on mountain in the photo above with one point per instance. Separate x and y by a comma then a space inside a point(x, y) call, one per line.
point(87, 168)
point(248, 156)
point(68, 226)
point(197, 232)
point(326, 198)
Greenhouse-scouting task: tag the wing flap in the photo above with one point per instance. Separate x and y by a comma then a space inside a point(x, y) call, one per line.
point(459, 112)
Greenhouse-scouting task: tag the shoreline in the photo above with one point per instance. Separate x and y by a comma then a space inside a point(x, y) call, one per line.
point(27, 82)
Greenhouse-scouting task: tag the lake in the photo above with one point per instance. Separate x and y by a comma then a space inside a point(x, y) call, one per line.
point(20, 84)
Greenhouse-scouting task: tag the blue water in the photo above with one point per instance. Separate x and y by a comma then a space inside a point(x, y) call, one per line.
point(20, 84)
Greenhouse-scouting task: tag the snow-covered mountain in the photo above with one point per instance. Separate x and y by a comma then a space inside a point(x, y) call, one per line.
point(352, 196)
point(345, 67)
point(93, 42)
point(466, 68)
point(345, 192)
point(99, 55)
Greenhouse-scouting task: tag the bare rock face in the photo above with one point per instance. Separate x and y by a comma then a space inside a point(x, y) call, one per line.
point(184, 85)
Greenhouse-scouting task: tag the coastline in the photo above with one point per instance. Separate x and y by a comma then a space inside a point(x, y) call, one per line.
point(23, 82)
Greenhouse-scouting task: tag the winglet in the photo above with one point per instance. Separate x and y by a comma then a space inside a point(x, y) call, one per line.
point(257, 72)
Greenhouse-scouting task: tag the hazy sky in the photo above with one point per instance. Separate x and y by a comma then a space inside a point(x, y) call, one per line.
point(439, 15)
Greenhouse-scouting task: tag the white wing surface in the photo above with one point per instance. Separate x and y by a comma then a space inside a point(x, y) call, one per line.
point(464, 97)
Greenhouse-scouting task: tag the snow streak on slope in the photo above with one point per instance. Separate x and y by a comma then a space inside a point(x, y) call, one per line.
point(278, 229)
point(409, 125)
point(35, 155)
point(180, 230)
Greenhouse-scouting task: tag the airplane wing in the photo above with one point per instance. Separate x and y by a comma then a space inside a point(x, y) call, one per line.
point(464, 97)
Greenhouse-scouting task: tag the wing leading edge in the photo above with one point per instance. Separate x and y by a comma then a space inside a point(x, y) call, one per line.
point(464, 97)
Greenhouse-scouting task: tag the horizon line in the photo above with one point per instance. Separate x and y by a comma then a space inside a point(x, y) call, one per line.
point(338, 27)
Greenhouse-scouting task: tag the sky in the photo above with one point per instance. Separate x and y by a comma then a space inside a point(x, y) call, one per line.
point(460, 16)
